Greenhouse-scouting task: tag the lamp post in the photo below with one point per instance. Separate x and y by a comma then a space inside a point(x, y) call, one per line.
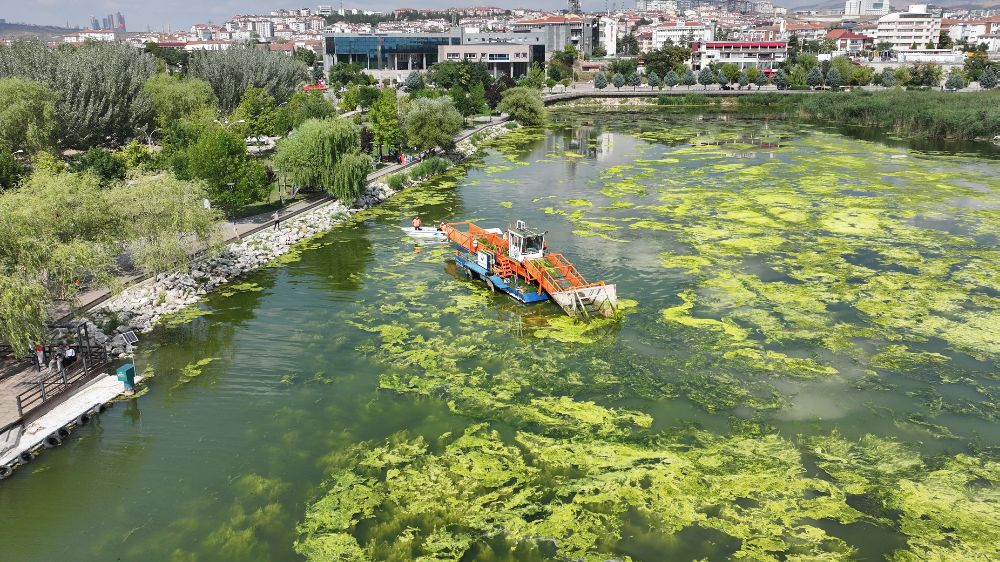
point(149, 135)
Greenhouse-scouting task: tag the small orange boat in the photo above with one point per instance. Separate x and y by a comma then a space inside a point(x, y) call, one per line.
point(516, 262)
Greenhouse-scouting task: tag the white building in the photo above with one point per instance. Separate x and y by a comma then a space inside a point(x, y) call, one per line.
point(915, 26)
point(866, 7)
point(656, 5)
point(969, 30)
point(992, 41)
point(90, 35)
point(767, 56)
point(608, 35)
point(683, 33)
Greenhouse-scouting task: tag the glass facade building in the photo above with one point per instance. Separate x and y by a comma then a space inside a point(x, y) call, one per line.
point(388, 52)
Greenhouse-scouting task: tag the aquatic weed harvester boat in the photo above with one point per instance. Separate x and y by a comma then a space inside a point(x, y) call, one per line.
point(516, 262)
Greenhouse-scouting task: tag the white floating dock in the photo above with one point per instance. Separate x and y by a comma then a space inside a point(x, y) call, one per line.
point(88, 401)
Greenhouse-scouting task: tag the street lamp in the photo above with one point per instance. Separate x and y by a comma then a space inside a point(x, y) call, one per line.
point(149, 135)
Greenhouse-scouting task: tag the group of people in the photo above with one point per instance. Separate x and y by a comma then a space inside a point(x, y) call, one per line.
point(61, 359)
point(419, 224)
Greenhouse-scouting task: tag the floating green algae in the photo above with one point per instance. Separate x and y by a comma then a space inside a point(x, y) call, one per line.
point(192, 371)
point(480, 488)
point(810, 272)
point(182, 316)
point(230, 290)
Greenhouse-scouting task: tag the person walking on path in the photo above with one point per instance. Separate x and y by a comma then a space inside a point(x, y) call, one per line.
point(40, 354)
point(277, 219)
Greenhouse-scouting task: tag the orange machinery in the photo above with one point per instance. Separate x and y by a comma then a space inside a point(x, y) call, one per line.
point(516, 262)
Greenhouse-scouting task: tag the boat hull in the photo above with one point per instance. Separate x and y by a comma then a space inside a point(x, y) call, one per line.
point(497, 283)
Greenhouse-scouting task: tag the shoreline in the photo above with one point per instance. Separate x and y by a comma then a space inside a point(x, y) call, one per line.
point(141, 306)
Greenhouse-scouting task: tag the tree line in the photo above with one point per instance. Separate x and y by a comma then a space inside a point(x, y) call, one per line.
point(150, 143)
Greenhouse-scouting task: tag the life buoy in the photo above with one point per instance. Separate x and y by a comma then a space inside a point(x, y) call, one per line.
point(83, 419)
point(25, 457)
point(5, 471)
point(52, 441)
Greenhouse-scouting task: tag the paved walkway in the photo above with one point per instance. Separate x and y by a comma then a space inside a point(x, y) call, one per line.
point(235, 230)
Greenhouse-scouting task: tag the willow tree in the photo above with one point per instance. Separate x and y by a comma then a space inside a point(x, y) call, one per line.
point(233, 71)
point(432, 122)
point(321, 153)
point(59, 230)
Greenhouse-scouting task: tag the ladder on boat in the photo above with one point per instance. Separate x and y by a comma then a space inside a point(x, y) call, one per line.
point(588, 301)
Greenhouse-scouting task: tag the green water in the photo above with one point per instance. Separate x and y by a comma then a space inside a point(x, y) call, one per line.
point(810, 369)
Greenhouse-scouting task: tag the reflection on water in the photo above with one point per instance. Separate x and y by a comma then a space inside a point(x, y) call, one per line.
point(790, 281)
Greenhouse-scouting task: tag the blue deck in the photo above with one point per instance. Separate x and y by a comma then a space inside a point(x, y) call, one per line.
point(529, 297)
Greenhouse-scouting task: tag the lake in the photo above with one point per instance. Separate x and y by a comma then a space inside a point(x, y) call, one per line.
point(806, 364)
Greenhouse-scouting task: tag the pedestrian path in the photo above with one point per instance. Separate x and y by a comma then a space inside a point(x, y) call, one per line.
point(233, 231)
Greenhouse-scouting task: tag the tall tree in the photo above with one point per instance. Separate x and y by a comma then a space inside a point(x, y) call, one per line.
point(833, 78)
point(524, 105)
point(432, 122)
point(235, 70)
point(60, 228)
point(414, 81)
point(663, 60)
point(174, 97)
point(312, 156)
point(343, 74)
point(780, 79)
point(232, 177)
point(384, 119)
point(27, 116)
point(255, 115)
point(815, 77)
point(100, 87)
point(988, 79)
point(302, 106)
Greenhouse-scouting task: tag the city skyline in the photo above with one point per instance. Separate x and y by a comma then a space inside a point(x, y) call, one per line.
point(180, 14)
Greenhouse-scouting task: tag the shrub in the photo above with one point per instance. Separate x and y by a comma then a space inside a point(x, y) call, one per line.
point(524, 105)
point(396, 181)
point(930, 114)
point(430, 167)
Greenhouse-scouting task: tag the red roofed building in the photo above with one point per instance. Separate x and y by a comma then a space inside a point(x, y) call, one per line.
point(767, 56)
point(850, 42)
point(806, 31)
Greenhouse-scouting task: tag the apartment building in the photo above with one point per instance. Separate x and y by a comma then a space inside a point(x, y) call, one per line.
point(846, 41)
point(866, 7)
point(916, 26)
point(767, 56)
point(683, 33)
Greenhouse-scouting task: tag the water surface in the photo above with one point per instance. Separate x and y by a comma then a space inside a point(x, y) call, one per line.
point(808, 306)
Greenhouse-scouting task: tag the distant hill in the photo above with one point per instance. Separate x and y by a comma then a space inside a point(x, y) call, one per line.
point(821, 5)
point(28, 31)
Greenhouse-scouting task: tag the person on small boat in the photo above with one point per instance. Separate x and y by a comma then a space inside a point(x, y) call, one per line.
point(416, 223)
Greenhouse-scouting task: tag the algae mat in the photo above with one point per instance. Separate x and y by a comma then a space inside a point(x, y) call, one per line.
point(805, 369)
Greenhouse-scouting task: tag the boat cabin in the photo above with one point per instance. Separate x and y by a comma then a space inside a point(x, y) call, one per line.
point(525, 244)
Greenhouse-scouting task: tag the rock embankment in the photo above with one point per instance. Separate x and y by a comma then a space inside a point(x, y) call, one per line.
point(139, 307)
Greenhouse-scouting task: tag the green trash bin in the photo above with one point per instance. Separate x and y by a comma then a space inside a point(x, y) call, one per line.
point(126, 374)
